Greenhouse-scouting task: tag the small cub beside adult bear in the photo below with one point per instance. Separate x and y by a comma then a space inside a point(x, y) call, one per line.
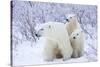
point(77, 42)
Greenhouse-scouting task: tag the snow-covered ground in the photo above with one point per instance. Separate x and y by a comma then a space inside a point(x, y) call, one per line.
point(27, 54)
point(32, 55)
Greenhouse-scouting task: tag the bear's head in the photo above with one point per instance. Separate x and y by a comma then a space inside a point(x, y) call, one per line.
point(75, 34)
point(43, 30)
point(71, 18)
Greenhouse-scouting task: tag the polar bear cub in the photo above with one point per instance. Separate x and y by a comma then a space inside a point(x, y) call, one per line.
point(72, 23)
point(56, 38)
point(77, 42)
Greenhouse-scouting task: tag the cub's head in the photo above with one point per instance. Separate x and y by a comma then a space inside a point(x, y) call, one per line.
point(76, 34)
point(71, 17)
point(43, 30)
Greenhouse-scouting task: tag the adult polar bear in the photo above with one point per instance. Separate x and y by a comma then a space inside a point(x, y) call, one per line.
point(56, 37)
point(76, 35)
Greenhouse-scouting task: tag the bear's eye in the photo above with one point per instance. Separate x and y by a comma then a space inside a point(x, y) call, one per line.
point(77, 34)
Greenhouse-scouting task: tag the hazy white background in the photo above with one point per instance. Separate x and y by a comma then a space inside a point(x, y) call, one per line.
point(5, 32)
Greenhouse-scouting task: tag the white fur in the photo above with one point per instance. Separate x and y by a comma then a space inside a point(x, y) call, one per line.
point(77, 43)
point(55, 36)
point(72, 24)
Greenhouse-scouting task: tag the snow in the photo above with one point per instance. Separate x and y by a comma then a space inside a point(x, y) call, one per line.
point(32, 55)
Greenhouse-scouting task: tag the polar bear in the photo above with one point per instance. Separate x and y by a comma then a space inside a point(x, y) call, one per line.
point(77, 42)
point(56, 41)
point(72, 23)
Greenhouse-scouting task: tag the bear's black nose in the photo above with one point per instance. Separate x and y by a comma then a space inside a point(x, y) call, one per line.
point(74, 37)
point(36, 34)
point(67, 20)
